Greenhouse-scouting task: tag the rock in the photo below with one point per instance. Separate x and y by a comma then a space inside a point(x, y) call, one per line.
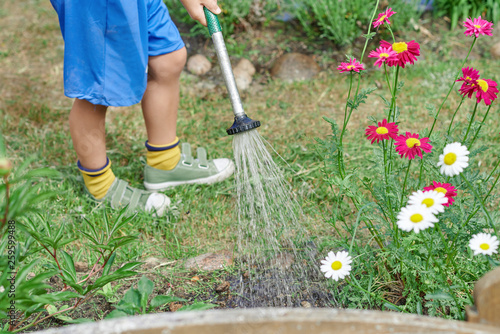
point(223, 287)
point(210, 261)
point(174, 306)
point(246, 66)
point(294, 67)
point(198, 64)
point(495, 51)
point(305, 304)
point(81, 266)
point(243, 74)
point(242, 78)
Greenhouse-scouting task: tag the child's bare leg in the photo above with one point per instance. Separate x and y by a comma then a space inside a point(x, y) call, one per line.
point(87, 127)
point(161, 99)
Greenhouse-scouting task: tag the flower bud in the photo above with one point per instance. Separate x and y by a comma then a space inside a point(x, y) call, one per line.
point(5, 167)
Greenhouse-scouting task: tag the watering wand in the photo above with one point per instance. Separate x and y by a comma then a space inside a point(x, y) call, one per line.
point(242, 122)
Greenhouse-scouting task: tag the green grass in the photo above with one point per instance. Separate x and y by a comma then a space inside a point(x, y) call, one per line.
point(34, 123)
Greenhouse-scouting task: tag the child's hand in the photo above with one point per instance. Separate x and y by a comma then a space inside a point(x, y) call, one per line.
point(195, 9)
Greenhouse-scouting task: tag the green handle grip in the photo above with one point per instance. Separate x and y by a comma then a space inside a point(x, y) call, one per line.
point(212, 22)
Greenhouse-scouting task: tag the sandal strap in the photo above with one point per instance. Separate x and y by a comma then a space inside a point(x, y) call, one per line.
point(118, 193)
point(186, 152)
point(135, 198)
point(201, 155)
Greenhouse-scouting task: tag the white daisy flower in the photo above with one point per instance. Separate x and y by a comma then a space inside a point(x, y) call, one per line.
point(484, 243)
point(434, 200)
point(337, 266)
point(454, 159)
point(416, 217)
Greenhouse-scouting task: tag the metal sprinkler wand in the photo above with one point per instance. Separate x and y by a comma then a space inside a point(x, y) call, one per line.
point(241, 121)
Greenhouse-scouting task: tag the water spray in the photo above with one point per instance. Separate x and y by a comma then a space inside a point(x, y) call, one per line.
point(242, 122)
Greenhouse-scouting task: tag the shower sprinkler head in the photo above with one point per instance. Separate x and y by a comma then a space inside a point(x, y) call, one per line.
point(242, 124)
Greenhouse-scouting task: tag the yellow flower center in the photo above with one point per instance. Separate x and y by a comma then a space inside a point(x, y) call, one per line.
point(468, 78)
point(484, 246)
point(428, 201)
point(410, 142)
point(416, 218)
point(450, 158)
point(477, 26)
point(400, 47)
point(385, 55)
point(350, 67)
point(336, 265)
point(382, 130)
point(483, 84)
point(440, 190)
point(382, 18)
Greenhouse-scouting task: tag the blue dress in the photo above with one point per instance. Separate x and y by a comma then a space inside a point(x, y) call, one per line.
point(107, 45)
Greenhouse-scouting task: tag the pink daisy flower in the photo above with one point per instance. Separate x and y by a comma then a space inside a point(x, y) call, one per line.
point(384, 55)
point(383, 131)
point(407, 52)
point(352, 65)
point(409, 145)
point(477, 27)
point(447, 189)
point(383, 17)
point(486, 90)
point(469, 75)
point(469, 78)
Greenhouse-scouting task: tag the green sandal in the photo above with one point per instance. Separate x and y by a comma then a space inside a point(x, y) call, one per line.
point(188, 171)
point(121, 194)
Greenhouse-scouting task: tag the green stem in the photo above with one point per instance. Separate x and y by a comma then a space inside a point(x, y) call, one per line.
point(404, 184)
point(470, 122)
point(480, 126)
point(390, 30)
point(451, 88)
point(344, 125)
point(387, 79)
point(453, 118)
point(394, 92)
point(483, 208)
point(7, 198)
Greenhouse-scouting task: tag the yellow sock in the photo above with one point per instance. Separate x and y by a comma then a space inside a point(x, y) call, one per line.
point(98, 181)
point(164, 157)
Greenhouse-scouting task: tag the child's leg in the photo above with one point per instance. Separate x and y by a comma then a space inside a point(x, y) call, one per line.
point(160, 103)
point(87, 127)
point(161, 99)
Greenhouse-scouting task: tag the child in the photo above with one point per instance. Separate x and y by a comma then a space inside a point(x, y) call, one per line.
point(117, 53)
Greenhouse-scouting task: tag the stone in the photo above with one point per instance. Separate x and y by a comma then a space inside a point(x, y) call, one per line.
point(246, 66)
point(198, 64)
point(242, 78)
point(173, 307)
point(210, 261)
point(81, 266)
point(243, 74)
point(495, 51)
point(294, 67)
point(305, 304)
point(223, 287)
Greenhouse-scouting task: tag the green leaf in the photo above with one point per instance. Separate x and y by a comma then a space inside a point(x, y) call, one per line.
point(109, 264)
point(440, 295)
point(392, 307)
point(200, 306)
point(116, 314)
point(162, 300)
point(145, 287)
point(68, 260)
